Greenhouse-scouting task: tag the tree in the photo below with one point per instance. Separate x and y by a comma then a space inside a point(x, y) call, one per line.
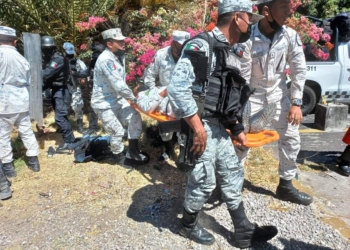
point(324, 8)
point(52, 17)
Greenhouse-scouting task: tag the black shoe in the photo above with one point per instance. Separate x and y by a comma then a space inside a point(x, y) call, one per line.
point(5, 191)
point(136, 158)
point(51, 151)
point(287, 192)
point(119, 158)
point(91, 131)
point(246, 233)
point(344, 166)
point(80, 126)
point(64, 148)
point(192, 230)
point(33, 163)
point(9, 169)
point(165, 156)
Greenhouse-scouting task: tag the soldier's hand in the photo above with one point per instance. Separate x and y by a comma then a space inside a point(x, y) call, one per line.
point(199, 142)
point(199, 134)
point(241, 139)
point(295, 116)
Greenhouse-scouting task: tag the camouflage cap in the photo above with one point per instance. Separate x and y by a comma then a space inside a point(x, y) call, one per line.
point(115, 34)
point(226, 6)
point(7, 34)
point(263, 1)
point(181, 36)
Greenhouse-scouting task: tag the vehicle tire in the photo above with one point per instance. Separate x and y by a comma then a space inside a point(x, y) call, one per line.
point(309, 100)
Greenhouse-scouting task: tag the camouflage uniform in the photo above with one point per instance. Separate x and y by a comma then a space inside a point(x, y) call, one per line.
point(219, 156)
point(14, 103)
point(109, 100)
point(77, 98)
point(150, 101)
point(162, 68)
point(263, 66)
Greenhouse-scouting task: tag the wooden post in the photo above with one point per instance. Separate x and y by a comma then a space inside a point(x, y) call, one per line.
point(32, 52)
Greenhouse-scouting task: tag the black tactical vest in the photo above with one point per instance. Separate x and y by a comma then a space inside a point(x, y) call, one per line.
point(221, 91)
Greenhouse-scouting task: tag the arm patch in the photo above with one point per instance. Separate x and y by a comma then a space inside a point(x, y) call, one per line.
point(239, 50)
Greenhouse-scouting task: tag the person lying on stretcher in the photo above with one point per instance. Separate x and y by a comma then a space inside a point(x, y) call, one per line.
point(155, 99)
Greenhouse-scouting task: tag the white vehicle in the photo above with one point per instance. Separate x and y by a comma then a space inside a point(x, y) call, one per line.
point(330, 78)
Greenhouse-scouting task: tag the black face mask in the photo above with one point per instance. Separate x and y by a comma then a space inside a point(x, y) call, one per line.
point(245, 35)
point(47, 53)
point(119, 52)
point(274, 25)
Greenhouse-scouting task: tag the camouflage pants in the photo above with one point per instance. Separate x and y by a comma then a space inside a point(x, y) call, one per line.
point(115, 119)
point(289, 142)
point(22, 122)
point(219, 158)
point(77, 101)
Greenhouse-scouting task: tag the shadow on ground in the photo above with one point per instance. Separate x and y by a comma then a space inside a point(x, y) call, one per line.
point(320, 161)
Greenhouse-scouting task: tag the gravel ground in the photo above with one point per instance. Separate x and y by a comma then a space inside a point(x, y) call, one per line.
point(151, 221)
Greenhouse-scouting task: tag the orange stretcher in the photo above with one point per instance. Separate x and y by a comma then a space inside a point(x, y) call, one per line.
point(253, 140)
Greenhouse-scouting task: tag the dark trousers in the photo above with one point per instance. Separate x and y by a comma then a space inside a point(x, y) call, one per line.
point(61, 100)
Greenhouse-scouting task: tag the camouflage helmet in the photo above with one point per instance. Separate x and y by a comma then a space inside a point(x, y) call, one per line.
point(48, 41)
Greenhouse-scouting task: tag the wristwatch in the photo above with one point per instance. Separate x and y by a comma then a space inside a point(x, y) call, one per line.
point(297, 102)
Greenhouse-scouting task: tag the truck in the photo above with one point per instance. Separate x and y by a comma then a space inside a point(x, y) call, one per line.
point(328, 80)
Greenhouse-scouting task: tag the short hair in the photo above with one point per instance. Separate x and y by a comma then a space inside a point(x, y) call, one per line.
point(105, 41)
point(262, 5)
point(225, 18)
point(7, 41)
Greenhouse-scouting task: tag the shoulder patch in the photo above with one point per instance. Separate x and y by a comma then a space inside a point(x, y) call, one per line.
point(53, 64)
point(239, 50)
point(111, 65)
point(298, 40)
point(192, 46)
point(197, 43)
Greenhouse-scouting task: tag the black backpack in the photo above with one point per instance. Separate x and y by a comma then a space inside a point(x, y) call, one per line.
point(95, 148)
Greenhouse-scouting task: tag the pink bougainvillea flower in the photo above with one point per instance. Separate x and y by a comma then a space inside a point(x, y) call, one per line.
point(83, 47)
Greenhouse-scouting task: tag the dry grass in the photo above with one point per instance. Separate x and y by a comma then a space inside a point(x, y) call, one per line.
point(262, 168)
point(92, 186)
point(64, 182)
point(65, 186)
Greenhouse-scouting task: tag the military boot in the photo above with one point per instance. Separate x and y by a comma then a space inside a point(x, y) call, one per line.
point(33, 163)
point(246, 232)
point(80, 126)
point(287, 192)
point(192, 230)
point(344, 162)
point(9, 169)
point(134, 156)
point(64, 148)
point(169, 151)
point(5, 191)
point(91, 131)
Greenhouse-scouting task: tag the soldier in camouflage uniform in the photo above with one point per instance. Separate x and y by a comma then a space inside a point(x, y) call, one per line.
point(155, 99)
point(159, 73)
point(78, 70)
point(110, 98)
point(216, 154)
point(14, 109)
point(264, 58)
